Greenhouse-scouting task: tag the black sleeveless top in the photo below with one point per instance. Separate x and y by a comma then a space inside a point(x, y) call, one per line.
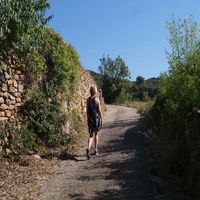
point(93, 115)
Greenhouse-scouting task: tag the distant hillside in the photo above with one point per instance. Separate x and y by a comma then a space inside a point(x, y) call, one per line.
point(148, 89)
point(151, 83)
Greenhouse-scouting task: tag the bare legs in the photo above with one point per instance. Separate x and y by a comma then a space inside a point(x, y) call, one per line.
point(90, 140)
point(96, 140)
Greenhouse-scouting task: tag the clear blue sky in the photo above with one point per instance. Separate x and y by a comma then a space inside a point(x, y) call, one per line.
point(134, 29)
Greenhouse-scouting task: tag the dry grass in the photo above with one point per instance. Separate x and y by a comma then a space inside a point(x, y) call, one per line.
point(23, 180)
point(141, 106)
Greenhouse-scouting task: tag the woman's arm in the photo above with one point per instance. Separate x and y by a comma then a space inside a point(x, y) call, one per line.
point(100, 112)
point(87, 109)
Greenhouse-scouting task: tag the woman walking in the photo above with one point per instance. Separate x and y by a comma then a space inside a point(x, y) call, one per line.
point(94, 118)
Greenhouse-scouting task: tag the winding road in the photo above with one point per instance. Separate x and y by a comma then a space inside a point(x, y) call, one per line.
point(123, 170)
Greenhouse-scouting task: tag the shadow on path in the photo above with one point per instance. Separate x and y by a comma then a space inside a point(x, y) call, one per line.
point(124, 170)
point(131, 172)
point(126, 159)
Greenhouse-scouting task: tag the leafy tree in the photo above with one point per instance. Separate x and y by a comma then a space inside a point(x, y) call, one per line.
point(21, 28)
point(183, 40)
point(60, 76)
point(180, 85)
point(179, 90)
point(62, 63)
point(51, 69)
point(114, 75)
point(173, 114)
point(139, 80)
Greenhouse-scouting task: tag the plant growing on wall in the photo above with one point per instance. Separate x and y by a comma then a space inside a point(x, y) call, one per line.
point(60, 75)
point(51, 71)
point(21, 28)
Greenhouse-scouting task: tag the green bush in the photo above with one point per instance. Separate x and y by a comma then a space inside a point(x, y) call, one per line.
point(51, 72)
point(18, 138)
point(179, 91)
point(58, 80)
point(45, 118)
point(178, 99)
point(22, 27)
point(62, 64)
point(114, 75)
point(77, 125)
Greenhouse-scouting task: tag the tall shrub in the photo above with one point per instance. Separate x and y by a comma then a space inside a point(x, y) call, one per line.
point(174, 112)
point(59, 78)
point(21, 28)
point(115, 74)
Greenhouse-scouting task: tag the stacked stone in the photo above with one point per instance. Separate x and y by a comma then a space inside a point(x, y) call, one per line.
point(11, 91)
point(79, 101)
point(83, 93)
point(86, 81)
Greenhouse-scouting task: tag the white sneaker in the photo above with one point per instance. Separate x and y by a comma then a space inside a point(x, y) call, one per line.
point(96, 153)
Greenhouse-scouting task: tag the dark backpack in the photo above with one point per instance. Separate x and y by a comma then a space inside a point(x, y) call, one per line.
point(93, 114)
point(92, 108)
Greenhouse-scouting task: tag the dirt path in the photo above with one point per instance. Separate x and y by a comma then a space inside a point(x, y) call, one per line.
point(121, 171)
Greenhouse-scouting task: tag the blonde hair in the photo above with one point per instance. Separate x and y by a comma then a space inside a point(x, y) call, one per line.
point(93, 90)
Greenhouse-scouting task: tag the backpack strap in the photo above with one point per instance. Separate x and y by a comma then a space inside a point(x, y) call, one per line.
point(92, 106)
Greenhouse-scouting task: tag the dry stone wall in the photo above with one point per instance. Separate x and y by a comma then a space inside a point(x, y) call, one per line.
point(11, 93)
point(83, 92)
point(79, 100)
